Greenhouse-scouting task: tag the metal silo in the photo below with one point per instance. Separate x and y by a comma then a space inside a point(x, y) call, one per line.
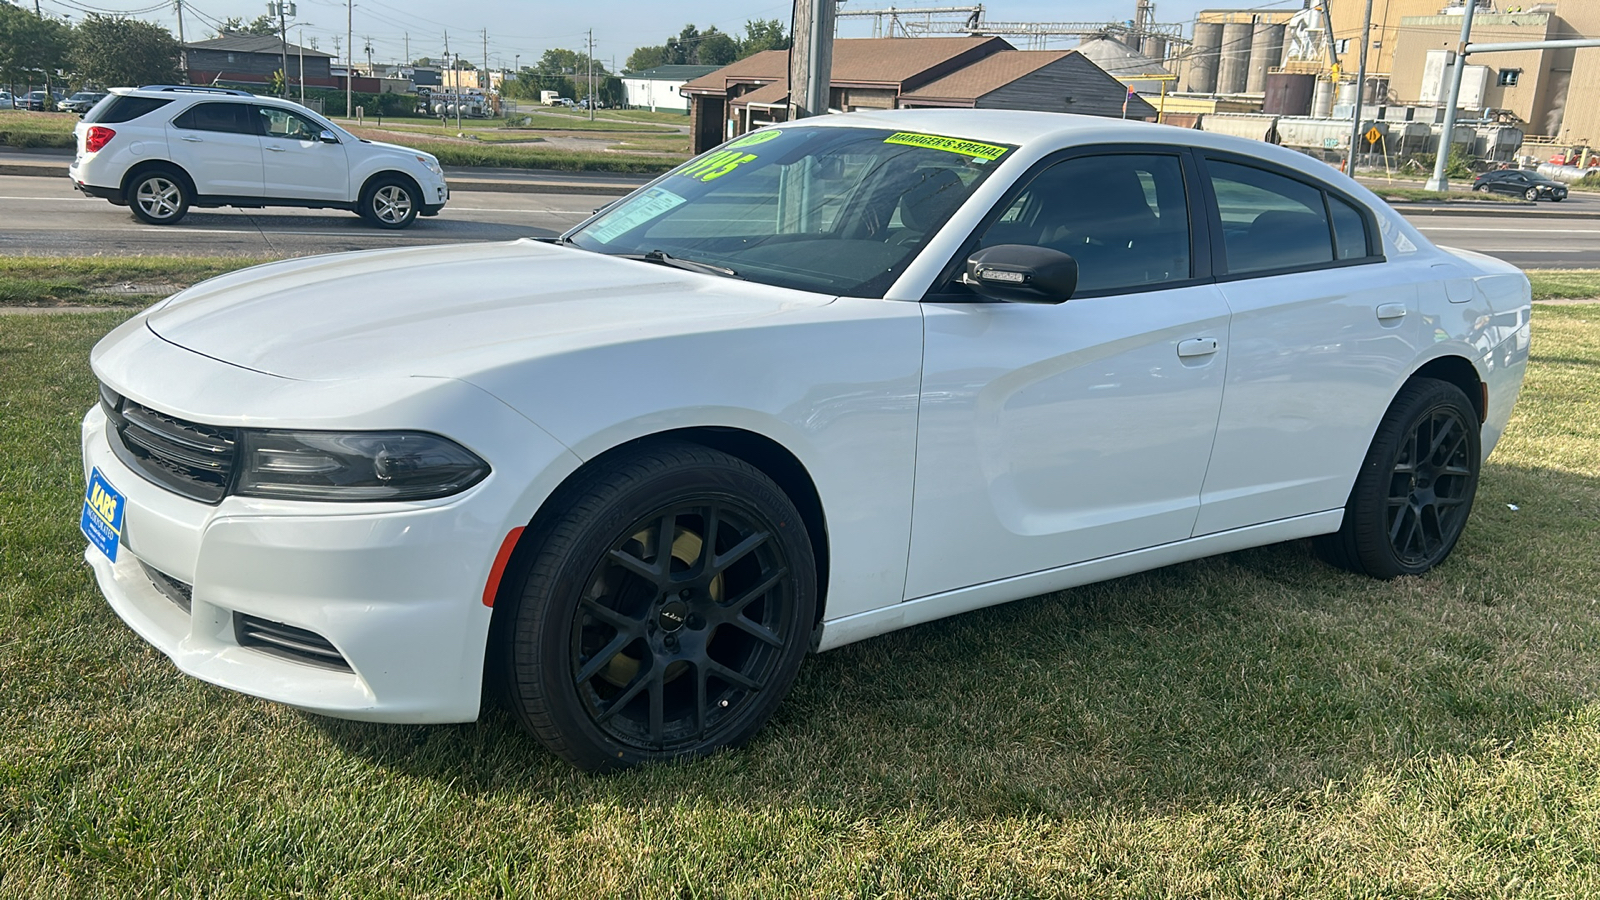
point(1233, 72)
point(1266, 52)
point(1203, 57)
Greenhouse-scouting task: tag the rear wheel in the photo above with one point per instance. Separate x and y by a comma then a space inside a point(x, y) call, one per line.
point(390, 203)
point(1411, 500)
point(1482, 189)
point(158, 196)
point(665, 611)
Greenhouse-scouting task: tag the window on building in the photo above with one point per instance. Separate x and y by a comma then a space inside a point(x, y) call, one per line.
point(1509, 77)
point(1343, 45)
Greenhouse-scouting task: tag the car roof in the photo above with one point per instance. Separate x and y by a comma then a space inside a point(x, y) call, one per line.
point(1024, 128)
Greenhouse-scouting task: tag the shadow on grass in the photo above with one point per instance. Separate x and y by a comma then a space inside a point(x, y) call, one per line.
point(1258, 674)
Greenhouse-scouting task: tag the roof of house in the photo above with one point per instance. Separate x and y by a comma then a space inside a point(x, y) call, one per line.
point(674, 73)
point(987, 75)
point(770, 94)
point(855, 61)
point(253, 43)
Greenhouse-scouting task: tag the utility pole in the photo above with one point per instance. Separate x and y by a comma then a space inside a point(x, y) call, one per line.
point(1439, 182)
point(183, 51)
point(591, 74)
point(368, 48)
point(486, 83)
point(349, 65)
point(49, 93)
point(301, 43)
point(811, 57)
point(407, 60)
point(283, 46)
point(1361, 90)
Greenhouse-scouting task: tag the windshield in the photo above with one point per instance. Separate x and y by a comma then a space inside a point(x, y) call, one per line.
point(836, 210)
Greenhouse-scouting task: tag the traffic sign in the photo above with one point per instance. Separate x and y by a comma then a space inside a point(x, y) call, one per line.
point(1373, 135)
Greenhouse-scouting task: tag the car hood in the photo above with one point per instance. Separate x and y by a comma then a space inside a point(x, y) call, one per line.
point(395, 148)
point(449, 311)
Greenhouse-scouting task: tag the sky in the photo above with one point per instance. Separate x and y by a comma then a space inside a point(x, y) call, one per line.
point(520, 30)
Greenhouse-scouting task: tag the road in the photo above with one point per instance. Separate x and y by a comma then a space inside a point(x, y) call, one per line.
point(45, 216)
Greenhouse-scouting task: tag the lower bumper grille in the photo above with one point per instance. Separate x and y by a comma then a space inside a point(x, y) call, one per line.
point(173, 589)
point(287, 641)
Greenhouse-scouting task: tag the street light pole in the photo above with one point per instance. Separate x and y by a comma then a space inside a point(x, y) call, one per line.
point(1439, 182)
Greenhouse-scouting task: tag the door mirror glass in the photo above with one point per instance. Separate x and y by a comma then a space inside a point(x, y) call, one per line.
point(1019, 273)
point(328, 137)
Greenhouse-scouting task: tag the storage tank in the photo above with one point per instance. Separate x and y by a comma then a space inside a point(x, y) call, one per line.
point(1288, 94)
point(1203, 59)
point(1233, 72)
point(1322, 99)
point(1155, 48)
point(1266, 52)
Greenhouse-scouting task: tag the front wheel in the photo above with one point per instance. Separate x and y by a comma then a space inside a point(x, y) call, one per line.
point(665, 610)
point(158, 197)
point(390, 203)
point(1412, 497)
point(1530, 194)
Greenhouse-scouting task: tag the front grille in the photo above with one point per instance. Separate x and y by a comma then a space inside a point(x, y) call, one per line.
point(173, 589)
point(287, 641)
point(184, 457)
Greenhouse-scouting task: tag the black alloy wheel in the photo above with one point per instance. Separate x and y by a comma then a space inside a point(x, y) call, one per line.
point(1412, 498)
point(665, 614)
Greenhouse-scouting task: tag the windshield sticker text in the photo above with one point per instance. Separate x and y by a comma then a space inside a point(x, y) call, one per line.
point(634, 212)
point(989, 152)
point(754, 138)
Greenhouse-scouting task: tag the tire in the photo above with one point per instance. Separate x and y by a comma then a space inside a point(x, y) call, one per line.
point(391, 203)
point(158, 196)
point(1406, 513)
point(1482, 189)
point(1531, 194)
point(611, 659)
point(1557, 199)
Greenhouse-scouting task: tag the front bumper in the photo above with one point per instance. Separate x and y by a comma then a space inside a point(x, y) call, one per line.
point(397, 589)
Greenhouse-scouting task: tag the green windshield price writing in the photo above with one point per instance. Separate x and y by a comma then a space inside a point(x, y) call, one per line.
point(759, 137)
point(715, 165)
point(954, 145)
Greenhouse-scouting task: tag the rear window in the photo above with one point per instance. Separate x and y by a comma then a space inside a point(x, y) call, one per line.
point(119, 108)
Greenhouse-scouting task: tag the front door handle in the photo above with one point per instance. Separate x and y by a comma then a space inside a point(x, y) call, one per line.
point(274, 149)
point(1390, 311)
point(1197, 347)
point(193, 140)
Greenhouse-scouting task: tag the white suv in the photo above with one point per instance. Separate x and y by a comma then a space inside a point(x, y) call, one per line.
point(161, 149)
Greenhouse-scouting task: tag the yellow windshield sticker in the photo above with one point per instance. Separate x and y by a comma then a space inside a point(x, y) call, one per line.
point(759, 137)
point(715, 165)
point(954, 145)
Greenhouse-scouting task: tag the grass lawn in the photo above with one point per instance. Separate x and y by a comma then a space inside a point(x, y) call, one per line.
point(501, 156)
point(19, 128)
point(104, 280)
point(1256, 724)
point(1417, 194)
point(1565, 284)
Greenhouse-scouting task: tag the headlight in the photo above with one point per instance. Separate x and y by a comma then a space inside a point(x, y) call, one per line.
point(431, 163)
point(365, 465)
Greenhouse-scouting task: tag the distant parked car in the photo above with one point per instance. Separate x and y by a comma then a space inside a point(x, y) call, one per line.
point(82, 101)
point(34, 100)
point(6, 100)
point(1522, 183)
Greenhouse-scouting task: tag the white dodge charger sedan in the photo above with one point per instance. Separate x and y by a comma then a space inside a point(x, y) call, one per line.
point(832, 379)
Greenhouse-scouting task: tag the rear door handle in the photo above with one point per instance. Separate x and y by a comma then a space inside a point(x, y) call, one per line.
point(193, 140)
point(274, 149)
point(1197, 347)
point(1391, 311)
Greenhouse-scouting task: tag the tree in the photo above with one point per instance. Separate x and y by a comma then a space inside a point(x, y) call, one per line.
point(715, 49)
point(113, 51)
point(32, 50)
point(557, 61)
point(763, 34)
point(263, 24)
point(645, 58)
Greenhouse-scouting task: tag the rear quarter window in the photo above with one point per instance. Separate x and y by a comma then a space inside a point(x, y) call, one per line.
point(118, 108)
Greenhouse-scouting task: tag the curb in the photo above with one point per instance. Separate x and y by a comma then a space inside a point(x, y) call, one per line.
point(1497, 210)
point(463, 184)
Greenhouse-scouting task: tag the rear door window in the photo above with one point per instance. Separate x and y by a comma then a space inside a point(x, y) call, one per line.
point(1269, 222)
point(229, 118)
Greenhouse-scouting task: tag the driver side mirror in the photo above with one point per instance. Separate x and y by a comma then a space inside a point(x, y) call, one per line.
point(1021, 273)
point(328, 137)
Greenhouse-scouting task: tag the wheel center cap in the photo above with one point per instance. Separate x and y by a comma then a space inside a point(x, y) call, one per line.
point(672, 615)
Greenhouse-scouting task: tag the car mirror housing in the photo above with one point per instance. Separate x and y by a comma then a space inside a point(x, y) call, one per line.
point(328, 137)
point(1019, 273)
